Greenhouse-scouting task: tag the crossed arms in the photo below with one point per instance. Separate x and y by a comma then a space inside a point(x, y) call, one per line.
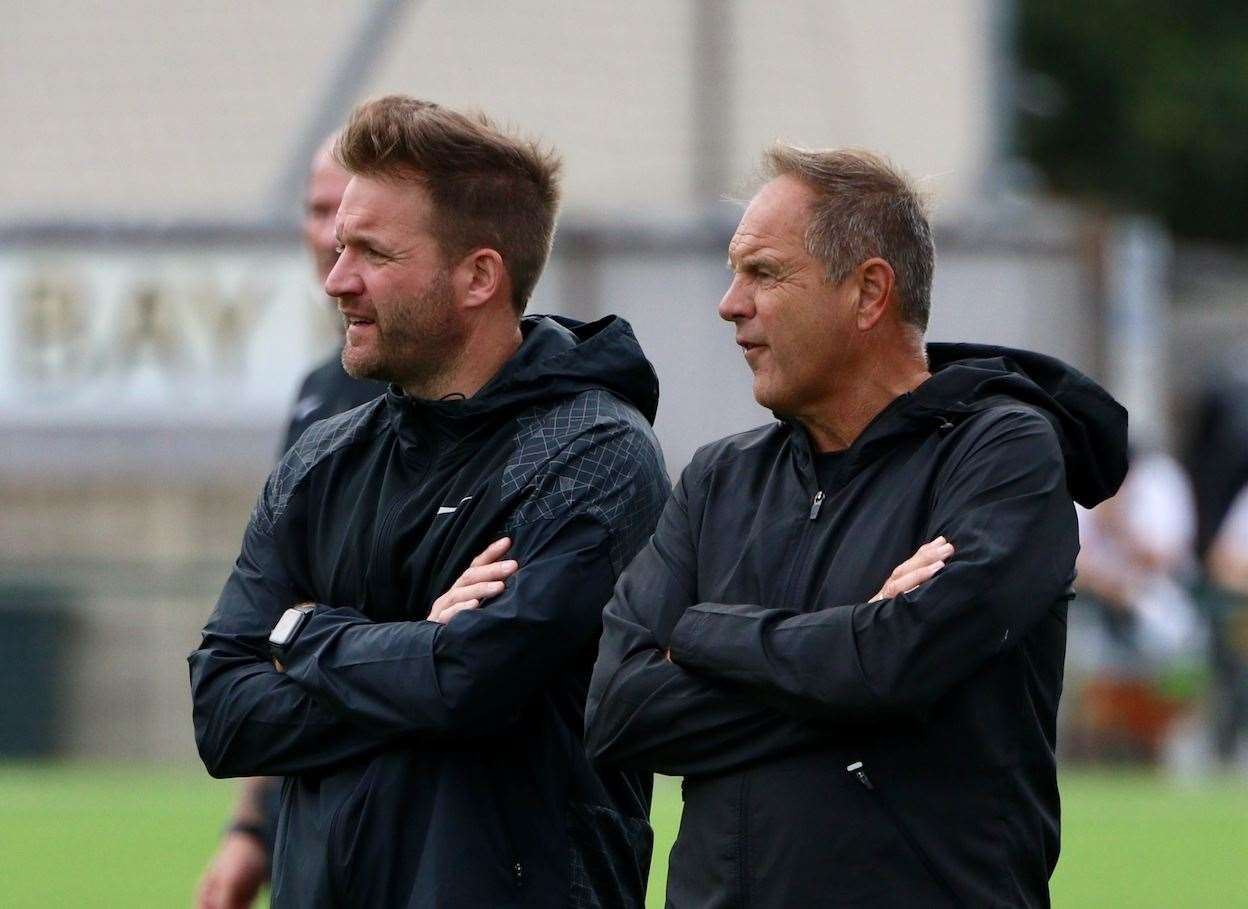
point(352, 686)
point(745, 683)
point(742, 682)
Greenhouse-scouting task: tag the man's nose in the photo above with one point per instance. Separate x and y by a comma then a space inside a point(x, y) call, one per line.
point(342, 280)
point(735, 303)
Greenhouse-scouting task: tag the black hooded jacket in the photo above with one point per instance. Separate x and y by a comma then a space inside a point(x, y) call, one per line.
point(841, 752)
point(430, 764)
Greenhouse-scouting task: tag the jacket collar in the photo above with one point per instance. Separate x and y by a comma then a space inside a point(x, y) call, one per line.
point(420, 422)
point(966, 378)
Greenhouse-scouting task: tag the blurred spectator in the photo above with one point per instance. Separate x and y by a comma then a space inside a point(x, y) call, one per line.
point(1218, 448)
point(242, 862)
point(327, 390)
point(1218, 458)
point(1227, 571)
point(1136, 573)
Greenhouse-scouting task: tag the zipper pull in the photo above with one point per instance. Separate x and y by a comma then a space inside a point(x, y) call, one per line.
point(857, 770)
point(816, 505)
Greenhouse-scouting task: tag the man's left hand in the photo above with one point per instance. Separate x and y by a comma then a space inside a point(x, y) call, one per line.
point(920, 567)
point(483, 579)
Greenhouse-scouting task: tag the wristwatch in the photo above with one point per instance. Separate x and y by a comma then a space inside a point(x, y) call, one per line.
point(288, 628)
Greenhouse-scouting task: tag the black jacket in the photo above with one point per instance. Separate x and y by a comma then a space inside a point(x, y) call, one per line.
point(443, 765)
point(839, 752)
point(325, 392)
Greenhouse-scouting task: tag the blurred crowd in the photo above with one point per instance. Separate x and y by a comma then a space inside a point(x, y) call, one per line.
point(1158, 648)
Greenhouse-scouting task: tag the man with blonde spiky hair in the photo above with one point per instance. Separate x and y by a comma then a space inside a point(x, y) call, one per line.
point(410, 627)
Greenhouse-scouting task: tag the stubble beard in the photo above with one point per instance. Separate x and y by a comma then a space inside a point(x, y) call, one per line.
point(417, 347)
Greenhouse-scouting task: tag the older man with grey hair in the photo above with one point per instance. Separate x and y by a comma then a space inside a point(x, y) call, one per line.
point(850, 733)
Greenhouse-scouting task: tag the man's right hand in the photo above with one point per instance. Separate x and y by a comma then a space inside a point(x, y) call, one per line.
point(483, 579)
point(922, 566)
point(235, 875)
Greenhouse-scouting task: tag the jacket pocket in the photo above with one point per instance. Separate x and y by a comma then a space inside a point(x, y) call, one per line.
point(346, 832)
point(859, 772)
point(812, 834)
point(610, 858)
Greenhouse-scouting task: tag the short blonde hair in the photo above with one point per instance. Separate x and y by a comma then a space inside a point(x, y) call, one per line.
point(488, 189)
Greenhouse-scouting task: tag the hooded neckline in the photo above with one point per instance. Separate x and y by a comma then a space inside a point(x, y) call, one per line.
point(966, 378)
point(559, 357)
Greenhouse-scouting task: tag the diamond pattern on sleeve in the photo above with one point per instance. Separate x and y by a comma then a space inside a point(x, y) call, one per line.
point(592, 454)
point(317, 442)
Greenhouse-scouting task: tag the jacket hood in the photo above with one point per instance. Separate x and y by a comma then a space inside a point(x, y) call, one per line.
point(1091, 425)
point(558, 358)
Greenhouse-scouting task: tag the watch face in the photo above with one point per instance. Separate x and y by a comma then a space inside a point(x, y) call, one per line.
point(285, 627)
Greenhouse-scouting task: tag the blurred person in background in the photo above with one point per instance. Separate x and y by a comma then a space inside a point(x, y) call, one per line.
point(1218, 460)
point(427, 707)
point(328, 389)
point(1227, 568)
point(240, 867)
point(848, 735)
point(1217, 450)
point(1136, 621)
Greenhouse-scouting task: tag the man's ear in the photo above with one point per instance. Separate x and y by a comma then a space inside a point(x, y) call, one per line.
point(876, 281)
point(479, 277)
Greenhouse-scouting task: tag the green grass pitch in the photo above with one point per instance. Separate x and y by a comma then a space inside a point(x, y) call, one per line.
point(86, 835)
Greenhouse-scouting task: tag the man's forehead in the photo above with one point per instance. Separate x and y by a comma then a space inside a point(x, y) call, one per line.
point(776, 219)
point(746, 242)
point(379, 207)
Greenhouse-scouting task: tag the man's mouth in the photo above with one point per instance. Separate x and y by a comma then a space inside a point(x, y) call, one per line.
point(356, 327)
point(352, 320)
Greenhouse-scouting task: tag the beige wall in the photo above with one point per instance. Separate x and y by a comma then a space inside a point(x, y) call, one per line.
point(154, 109)
point(908, 79)
point(607, 84)
point(147, 109)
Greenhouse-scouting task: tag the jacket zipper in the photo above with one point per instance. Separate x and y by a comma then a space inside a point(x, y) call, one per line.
point(387, 522)
point(385, 528)
point(859, 772)
point(815, 504)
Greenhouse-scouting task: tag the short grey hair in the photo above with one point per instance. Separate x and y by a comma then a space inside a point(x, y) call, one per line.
point(864, 207)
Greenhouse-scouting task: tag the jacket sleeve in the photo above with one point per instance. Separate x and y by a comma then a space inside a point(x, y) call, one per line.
point(249, 718)
point(472, 676)
point(644, 712)
point(1006, 509)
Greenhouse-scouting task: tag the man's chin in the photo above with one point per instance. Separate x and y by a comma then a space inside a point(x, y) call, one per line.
point(782, 406)
point(358, 367)
point(763, 394)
